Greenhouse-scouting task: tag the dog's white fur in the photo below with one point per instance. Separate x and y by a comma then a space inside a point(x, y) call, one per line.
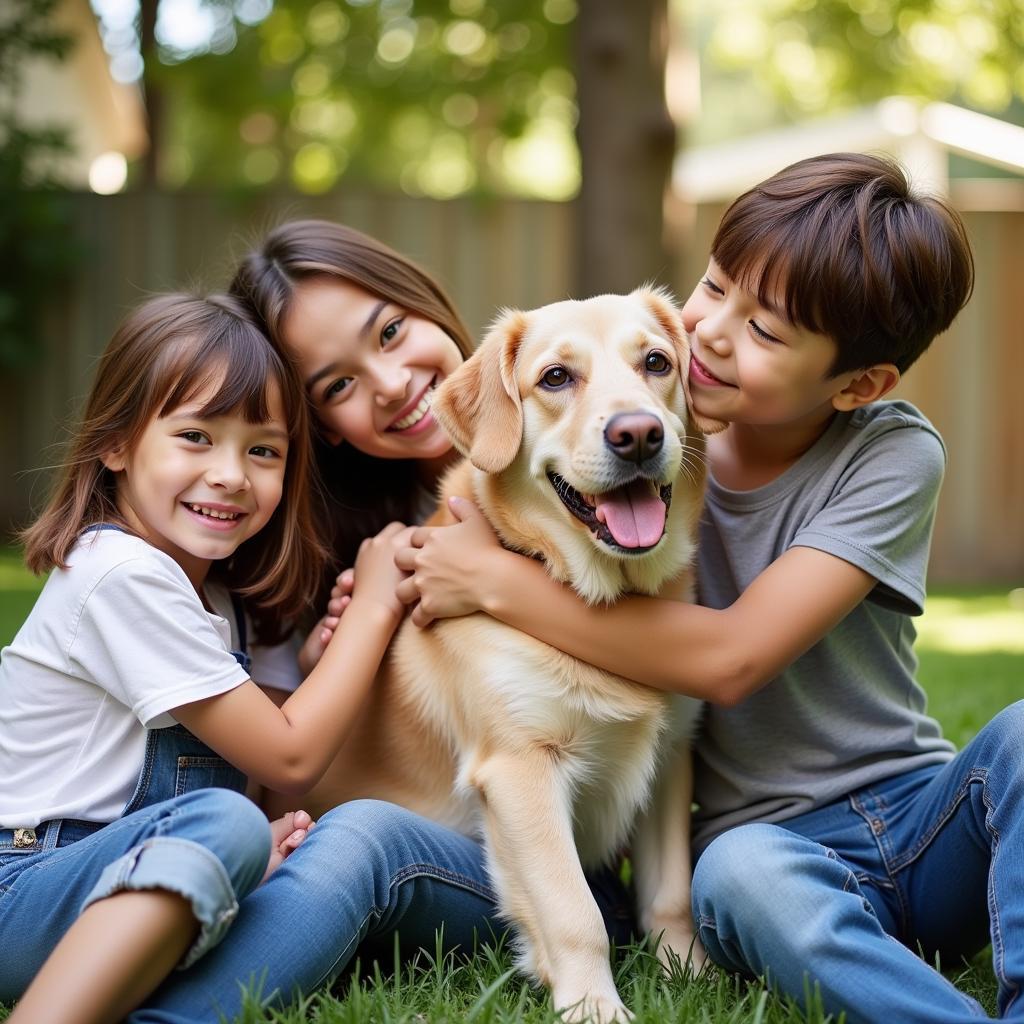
point(486, 729)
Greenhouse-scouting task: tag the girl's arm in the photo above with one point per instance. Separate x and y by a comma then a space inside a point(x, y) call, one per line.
point(717, 655)
point(288, 748)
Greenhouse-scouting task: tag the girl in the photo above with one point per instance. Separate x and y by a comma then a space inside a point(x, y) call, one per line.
point(128, 725)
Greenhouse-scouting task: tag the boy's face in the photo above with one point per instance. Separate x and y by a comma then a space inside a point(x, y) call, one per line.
point(750, 364)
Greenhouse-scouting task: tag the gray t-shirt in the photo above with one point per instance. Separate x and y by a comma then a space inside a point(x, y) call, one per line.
point(848, 712)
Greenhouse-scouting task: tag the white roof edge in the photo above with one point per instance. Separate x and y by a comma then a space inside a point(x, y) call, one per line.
point(721, 172)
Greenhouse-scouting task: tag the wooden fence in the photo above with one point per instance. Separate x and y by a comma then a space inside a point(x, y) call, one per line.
point(495, 253)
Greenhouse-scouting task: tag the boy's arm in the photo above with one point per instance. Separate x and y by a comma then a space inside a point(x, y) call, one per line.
point(717, 655)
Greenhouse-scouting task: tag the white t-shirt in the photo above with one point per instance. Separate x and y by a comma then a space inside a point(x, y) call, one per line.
point(113, 643)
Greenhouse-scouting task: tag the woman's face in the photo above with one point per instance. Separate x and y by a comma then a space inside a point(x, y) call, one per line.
point(369, 367)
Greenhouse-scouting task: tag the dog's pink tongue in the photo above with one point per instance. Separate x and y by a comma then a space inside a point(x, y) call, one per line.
point(634, 515)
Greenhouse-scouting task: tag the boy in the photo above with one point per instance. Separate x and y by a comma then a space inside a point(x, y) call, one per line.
point(832, 816)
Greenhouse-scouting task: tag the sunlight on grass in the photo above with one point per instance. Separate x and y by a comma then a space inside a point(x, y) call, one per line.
point(14, 576)
point(973, 623)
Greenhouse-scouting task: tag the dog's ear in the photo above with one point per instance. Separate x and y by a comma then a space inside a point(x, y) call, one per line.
point(479, 405)
point(664, 310)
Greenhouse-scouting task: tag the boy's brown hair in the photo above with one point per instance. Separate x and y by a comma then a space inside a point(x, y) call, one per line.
point(165, 352)
point(845, 247)
point(364, 493)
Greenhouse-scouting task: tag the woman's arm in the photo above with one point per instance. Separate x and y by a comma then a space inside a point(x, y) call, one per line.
point(288, 748)
point(717, 655)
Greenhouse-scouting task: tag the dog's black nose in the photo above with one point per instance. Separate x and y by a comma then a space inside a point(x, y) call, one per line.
point(634, 436)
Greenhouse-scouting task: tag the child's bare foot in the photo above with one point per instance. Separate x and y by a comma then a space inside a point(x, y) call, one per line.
point(287, 834)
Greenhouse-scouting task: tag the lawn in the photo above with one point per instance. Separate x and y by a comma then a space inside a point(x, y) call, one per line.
point(972, 664)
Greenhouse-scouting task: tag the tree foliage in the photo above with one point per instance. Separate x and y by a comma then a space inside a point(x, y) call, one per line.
point(792, 58)
point(34, 227)
point(431, 96)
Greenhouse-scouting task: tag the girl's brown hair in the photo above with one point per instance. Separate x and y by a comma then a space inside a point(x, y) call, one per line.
point(844, 245)
point(363, 493)
point(167, 351)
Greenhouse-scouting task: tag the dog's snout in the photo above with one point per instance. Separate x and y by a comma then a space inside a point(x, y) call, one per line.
point(634, 436)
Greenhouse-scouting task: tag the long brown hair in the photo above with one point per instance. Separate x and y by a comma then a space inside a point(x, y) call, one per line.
point(165, 352)
point(851, 251)
point(363, 493)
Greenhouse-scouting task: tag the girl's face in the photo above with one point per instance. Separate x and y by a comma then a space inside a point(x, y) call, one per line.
point(197, 488)
point(369, 367)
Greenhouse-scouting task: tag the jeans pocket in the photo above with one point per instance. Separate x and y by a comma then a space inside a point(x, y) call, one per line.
point(198, 772)
point(11, 863)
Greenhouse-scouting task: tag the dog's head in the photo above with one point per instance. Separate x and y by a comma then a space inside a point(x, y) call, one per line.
point(579, 410)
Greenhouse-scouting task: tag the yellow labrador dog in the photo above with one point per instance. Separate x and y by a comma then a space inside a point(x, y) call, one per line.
point(581, 452)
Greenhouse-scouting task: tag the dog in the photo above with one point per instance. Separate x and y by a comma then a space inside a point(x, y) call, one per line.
point(582, 451)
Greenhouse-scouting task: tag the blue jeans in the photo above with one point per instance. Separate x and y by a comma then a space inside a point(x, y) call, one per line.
point(367, 868)
point(845, 895)
point(366, 871)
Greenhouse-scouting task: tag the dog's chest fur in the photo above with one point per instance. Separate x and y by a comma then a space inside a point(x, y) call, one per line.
point(515, 693)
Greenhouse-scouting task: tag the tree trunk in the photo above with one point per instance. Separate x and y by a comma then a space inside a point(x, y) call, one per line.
point(150, 92)
point(627, 143)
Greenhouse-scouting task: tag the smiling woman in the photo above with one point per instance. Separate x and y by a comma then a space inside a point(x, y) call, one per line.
point(372, 335)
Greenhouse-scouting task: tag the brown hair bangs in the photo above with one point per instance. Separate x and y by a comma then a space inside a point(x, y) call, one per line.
point(843, 247)
point(224, 361)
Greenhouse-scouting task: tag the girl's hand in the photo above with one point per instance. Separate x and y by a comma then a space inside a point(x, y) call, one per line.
point(448, 565)
point(376, 575)
point(320, 635)
point(287, 834)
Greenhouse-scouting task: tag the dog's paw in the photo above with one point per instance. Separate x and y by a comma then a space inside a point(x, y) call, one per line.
point(594, 1009)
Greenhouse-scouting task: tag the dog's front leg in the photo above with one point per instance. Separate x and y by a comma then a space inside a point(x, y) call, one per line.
point(528, 814)
point(661, 862)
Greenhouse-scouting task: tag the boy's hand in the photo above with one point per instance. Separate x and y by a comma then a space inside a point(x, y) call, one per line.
point(449, 565)
point(376, 574)
point(286, 836)
point(320, 635)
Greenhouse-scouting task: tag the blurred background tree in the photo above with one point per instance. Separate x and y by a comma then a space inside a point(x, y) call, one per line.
point(444, 97)
point(771, 62)
point(437, 97)
point(34, 236)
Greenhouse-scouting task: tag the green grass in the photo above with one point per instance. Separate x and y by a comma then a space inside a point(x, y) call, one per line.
point(971, 645)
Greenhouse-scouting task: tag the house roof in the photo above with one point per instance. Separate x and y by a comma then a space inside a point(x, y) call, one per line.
point(921, 135)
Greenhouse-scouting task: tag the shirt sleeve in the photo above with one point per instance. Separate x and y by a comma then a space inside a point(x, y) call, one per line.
point(144, 637)
point(881, 512)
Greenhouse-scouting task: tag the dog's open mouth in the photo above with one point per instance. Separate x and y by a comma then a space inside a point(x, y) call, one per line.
point(631, 517)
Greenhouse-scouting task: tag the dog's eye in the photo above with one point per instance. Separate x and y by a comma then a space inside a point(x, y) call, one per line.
point(556, 377)
point(656, 362)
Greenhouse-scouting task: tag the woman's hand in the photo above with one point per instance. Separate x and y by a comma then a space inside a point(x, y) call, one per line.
point(448, 565)
point(287, 834)
point(320, 635)
point(376, 574)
